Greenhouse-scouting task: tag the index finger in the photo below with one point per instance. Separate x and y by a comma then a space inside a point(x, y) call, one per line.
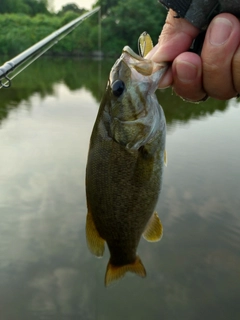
point(176, 37)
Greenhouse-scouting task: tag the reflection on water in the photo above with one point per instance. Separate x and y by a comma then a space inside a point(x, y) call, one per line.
point(46, 271)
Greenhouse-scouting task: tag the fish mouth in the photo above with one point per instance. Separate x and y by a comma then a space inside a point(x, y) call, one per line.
point(133, 54)
point(131, 67)
point(142, 65)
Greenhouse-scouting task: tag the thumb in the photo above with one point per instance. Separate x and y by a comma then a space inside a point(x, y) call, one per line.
point(176, 37)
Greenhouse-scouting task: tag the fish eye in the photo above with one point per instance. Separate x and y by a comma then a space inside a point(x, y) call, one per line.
point(118, 87)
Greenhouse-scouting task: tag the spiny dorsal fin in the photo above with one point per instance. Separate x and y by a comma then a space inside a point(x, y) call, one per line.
point(154, 229)
point(114, 273)
point(94, 241)
point(165, 157)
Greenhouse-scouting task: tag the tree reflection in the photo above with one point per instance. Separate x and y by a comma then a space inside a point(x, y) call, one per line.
point(178, 110)
point(76, 73)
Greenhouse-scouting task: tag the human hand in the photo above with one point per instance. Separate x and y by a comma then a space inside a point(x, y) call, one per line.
point(216, 73)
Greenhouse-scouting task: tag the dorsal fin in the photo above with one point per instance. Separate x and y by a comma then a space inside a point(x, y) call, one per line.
point(114, 273)
point(154, 229)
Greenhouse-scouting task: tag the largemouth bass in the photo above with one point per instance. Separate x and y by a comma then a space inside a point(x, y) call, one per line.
point(125, 165)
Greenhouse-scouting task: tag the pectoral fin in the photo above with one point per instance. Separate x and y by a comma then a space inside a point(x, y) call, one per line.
point(94, 241)
point(154, 229)
point(165, 157)
point(114, 273)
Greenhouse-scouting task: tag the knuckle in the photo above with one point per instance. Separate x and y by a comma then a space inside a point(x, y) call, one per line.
point(218, 81)
point(210, 66)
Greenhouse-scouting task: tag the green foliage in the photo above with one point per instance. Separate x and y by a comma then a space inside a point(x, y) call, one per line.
point(71, 7)
point(20, 31)
point(35, 7)
point(122, 23)
point(107, 5)
point(30, 7)
point(126, 21)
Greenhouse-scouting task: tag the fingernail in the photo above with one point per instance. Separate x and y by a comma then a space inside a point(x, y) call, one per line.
point(220, 31)
point(186, 71)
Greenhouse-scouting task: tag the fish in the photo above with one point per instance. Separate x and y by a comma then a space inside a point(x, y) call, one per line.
point(125, 165)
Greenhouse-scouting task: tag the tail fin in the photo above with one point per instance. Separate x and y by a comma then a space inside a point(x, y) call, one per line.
point(114, 273)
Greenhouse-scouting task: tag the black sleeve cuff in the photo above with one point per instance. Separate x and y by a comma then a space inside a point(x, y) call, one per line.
point(201, 12)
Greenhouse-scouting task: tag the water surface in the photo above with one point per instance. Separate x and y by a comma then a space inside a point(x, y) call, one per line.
point(46, 270)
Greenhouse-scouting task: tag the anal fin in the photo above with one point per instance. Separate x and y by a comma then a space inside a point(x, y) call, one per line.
point(94, 241)
point(154, 229)
point(114, 273)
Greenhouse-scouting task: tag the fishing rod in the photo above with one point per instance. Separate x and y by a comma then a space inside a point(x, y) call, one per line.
point(24, 59)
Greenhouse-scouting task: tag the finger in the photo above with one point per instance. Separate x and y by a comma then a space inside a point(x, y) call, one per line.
point(166, 80)
point(176, 37)
point(221, 42)
point(236, 70)
point(187, 76)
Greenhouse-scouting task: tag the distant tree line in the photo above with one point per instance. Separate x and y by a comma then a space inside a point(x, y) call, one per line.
point(124, 21)
point(29, 7)
point(24, 22)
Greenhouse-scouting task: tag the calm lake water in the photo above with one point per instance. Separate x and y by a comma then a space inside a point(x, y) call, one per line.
point(46, 270)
